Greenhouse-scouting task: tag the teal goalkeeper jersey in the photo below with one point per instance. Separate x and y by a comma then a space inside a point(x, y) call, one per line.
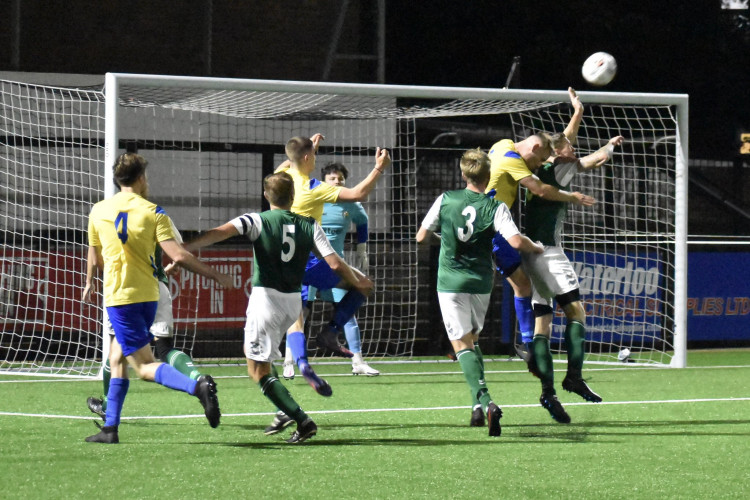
point(545, 218)
point(337, 217)
point(282, 242)
point(467, 222)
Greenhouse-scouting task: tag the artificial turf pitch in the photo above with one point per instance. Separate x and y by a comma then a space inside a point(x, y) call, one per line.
point(660, 433)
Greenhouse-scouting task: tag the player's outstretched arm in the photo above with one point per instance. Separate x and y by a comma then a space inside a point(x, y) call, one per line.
point(424, 235)
point(215, 235)
point(551, 193)
point(571, 131)
point(182, 257)
point(522, 243)
point(601, 156)
point(352, 277)
point(361, 190)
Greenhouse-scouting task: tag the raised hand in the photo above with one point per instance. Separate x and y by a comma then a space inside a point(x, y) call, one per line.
point(382, 158)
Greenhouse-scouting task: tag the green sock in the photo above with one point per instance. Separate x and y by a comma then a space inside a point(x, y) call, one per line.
point(182, 363)
point(474, 374)
point(106, 375)
point(575, 337)
point(475, 400)
point(279, 396)
point(543, 359)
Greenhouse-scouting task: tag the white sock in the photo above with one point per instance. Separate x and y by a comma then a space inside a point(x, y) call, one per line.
point(357, 359)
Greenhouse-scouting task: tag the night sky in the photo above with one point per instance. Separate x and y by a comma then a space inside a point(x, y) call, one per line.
point(691, 47)
point(662, 46)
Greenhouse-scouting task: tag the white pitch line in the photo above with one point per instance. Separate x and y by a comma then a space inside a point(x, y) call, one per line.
point(381, 410)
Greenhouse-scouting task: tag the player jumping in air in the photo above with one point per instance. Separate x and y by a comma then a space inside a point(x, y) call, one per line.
point(552, 274)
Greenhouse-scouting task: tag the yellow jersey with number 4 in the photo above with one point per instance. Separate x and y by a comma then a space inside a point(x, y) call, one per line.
point(127, 227)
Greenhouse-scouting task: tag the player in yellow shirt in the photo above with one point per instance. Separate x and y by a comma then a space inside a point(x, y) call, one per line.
point(123, 233)
point(512, 164)
point(309, 197)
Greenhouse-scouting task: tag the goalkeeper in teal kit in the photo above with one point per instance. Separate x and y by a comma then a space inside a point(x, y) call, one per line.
point(336, 221)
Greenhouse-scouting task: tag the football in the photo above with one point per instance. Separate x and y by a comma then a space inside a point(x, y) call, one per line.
point(599, 69)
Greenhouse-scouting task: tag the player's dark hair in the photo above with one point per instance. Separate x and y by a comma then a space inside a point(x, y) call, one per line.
point(279, 189)
point(475, 166)
point(297, 147)
point(335, 167)
point(128, 168)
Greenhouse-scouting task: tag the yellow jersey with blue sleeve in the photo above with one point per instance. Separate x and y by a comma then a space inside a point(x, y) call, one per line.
point(508, 168)
point(126, 228)
point(310, 194)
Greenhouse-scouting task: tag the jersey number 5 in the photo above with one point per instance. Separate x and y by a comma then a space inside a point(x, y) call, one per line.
point(287, 238)
point(121, 226)
point(464, 233)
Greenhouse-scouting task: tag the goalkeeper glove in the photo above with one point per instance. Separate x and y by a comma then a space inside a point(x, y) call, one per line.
point(362, 261)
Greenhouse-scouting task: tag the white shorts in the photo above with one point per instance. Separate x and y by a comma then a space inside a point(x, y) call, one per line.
point(270, 313)
point(551, 274)
point(463, 312)
point(163, 325)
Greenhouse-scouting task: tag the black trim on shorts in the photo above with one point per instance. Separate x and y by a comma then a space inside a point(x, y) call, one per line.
point(568, 297)
point(542, 310)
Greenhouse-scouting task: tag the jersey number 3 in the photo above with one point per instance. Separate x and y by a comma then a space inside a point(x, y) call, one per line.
point(464, 233)
point(121, 226)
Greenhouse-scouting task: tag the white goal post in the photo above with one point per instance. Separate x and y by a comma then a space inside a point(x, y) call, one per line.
point(209, 141)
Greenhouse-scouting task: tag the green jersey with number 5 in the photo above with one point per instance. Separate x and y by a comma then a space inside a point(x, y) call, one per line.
point(282, 242)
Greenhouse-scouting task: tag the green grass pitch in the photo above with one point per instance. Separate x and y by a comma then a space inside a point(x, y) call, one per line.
point(660, 433)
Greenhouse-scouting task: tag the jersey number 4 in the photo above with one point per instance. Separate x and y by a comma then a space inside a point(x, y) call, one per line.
point(121, 226)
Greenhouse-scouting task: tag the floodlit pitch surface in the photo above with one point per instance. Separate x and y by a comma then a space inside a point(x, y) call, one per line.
point(660, 433)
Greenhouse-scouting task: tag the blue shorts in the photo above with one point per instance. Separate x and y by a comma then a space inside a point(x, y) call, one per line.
point(319, 274)
point(507, 258)
point(131, 323)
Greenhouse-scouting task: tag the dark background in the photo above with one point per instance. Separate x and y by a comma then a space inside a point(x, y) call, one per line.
point(691, 47)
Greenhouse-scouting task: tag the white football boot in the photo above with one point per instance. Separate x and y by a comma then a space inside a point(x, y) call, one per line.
point(359, 367)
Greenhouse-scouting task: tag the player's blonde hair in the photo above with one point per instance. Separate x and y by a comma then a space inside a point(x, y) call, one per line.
point(297, 147)
point(558, 140)
point(128, 168)
point(279, 189)
point(475, 166)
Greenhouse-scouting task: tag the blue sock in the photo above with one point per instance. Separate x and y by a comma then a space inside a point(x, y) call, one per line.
point(118, 389)
point(346, 309)
point(297, 344)
point(351, 330)
point(168, 376)
point(525, 315)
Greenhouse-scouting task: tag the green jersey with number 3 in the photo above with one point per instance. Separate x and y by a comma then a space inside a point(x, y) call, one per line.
point(467, 226)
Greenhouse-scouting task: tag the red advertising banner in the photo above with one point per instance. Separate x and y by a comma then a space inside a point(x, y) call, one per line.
point(201, 301)
point(41, 291)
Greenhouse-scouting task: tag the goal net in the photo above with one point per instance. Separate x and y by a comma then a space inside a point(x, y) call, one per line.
point(209, 143)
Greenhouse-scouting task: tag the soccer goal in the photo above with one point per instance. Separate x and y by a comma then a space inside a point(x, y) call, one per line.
point(210, 141)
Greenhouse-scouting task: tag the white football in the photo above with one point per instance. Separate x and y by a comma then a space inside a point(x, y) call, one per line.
point(599, 69)
point(623, 355)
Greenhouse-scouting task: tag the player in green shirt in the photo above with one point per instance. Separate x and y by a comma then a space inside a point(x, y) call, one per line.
point(282, 242)
point(468, 221)
point(552, 274)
